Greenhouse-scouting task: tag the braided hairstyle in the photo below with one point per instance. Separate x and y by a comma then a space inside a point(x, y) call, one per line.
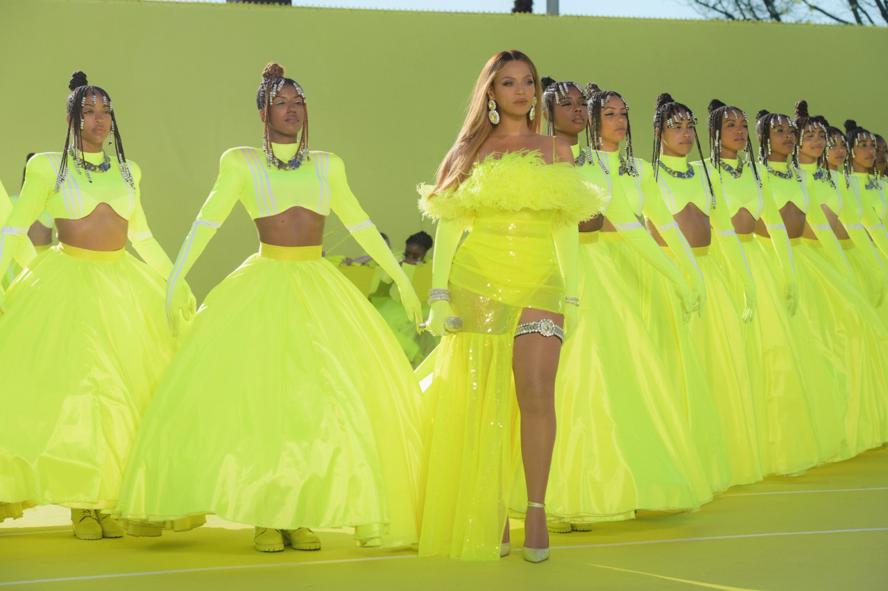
point(81, 89)
point(881, 166)
point(667, 112)
point(598, 98)
point(273, 80)
point(25, 170)
point(555, 91)
point(853, 134)
point(764, 121)
point(718, 112)
point(804, 120)
point(832, 135)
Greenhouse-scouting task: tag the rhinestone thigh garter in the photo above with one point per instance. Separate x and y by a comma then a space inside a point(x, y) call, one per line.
point(545, 327)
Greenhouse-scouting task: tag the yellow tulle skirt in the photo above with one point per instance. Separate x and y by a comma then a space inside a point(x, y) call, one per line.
point(472, 444)
point(472, 447)
point(83, 344)
point(867, 278)
point(669, 328)
point(847, 328)
point(787, 428)
point(623, 440)
point(289, 404)
point(720, 340)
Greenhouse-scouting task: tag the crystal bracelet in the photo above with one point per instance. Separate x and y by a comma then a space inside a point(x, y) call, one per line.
point(439, 295)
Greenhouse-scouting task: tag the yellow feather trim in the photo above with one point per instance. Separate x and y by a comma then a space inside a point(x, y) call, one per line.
point(514, 182)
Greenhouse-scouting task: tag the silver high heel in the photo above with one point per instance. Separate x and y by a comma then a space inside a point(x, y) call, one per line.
point(535, 555)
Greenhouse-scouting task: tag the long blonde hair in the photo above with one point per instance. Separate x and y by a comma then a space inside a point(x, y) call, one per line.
point(477, 127)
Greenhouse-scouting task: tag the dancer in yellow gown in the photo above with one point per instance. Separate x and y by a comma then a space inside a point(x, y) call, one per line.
point(787, 428)
point(72, 402)
point(625, 443)
point(669, 299)
point(498, 298)
point(720, 335)
point(841, 322)
point(294, 402)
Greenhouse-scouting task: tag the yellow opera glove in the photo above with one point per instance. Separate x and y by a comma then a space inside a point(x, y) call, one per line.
point(369, 238)
point(442, 320)
point(441, 315)
point(637, 237)
point(144, 243)
point(180, 302)
point(347, 208)
point(567, 251)
point(181, 308)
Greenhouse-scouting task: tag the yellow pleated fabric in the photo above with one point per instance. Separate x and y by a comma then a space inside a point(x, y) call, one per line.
point(720, 340)
point(289, 404)
point(845, 324)
point(624, 442)
point(786, 424)
point(670, 331)
point(83, 344)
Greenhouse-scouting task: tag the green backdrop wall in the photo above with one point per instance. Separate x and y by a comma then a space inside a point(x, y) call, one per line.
point(386, 90)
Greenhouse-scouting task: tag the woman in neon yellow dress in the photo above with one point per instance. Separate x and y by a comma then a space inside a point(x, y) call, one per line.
point(787, 428)
point(625, 443)
point(853, 194)
point(840, 322)
point(500, 295)
point(667, 301)
point(72, 402)
point(719, 336)
point(864, 185)
point(296, 404)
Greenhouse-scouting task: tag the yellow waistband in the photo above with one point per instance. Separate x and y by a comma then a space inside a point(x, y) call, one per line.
point(700, 251)
point(589, 237)
point(847, 244)
point(746, 237)
point(290, 253)
point(609, 236)
point(795, 241)
point(811, 242)
point(91, 255)
point(42, 247)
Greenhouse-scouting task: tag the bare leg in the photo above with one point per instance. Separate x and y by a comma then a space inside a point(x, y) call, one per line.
point(534, 364)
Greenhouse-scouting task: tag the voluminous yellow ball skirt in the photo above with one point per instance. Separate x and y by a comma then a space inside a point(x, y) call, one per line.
point(83, 344)
point(289, 404)
point(865, 275)
point(669, 328)
point(472, 442)
point(624, 442)
point(848, 328)
point(719, 336)
point(788, 435)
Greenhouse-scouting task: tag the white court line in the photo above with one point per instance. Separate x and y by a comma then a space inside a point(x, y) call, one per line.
point(730, 537)
point(813, 491)
point(413, 556)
